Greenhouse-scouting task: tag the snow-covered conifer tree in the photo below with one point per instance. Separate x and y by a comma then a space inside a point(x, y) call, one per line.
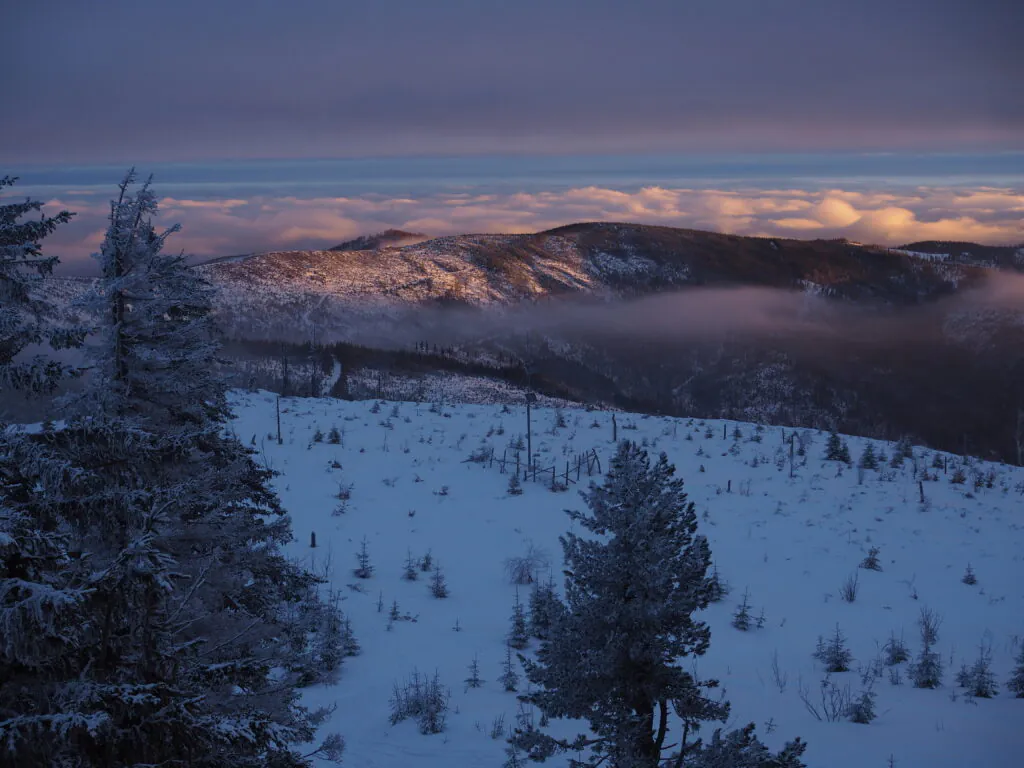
point(438, 583)
point(613, 655)
point(834, 447)
point(544, 605)
point(1016, 682)
point(172, 639)
point(926, 670)
point(518, 636)
point(868, 459)
point(40, 607)
point(25, 318)
point(742, 749)
point(834, 654)
point(509, 678)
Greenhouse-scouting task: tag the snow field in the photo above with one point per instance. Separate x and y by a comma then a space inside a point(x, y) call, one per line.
point(790, 542)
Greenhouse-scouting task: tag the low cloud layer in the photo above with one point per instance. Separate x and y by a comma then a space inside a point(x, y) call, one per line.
point(223, 227)
point(705, 314)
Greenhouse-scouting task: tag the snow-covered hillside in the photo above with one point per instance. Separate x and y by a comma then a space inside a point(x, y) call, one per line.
point(789, 542)
point(267, 292)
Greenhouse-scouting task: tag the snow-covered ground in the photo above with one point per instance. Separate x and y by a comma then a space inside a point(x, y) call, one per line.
point(440, 387)
point(790, 542)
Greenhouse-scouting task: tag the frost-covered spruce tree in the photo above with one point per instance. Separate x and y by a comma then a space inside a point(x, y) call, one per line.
point(509, 678)
point(834, 654)
point(42, 605)
point(834, 448)
point(438, 583)
point(868, 459)
point(742, 749)
point(515, 487)
point(544, 607)
point(1016, 681)
point(181, 646)
point(518, 635)
point(903, 450)
point(25, 317)
point(742, 619)
point(926, 670)
point(632, 586)
point(979, 679)
point(718, 589)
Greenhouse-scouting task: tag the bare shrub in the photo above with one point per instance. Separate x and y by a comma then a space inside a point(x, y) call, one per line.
point(929, 622)
point(832, 703)
point(848, 591)
point(498, 727)
point(895, 651)
point(526, 568)
point(780, 677)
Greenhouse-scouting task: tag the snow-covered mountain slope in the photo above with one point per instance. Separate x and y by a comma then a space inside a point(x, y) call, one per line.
point(449, 267)
point(270, 293)
point(790, 543)
point(333, 288)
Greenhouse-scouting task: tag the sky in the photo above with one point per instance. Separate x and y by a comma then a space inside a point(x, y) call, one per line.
point(192, 87)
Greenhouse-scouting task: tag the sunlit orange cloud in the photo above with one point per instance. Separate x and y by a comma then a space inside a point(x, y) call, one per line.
point(225, 227)
point(170, 203)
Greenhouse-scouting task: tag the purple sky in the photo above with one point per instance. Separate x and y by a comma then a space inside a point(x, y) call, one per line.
point(113, 81)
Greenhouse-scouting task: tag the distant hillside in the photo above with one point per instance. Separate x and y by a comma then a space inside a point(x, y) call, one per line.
point(898, 346)
point(956, 252)
point(267, 292)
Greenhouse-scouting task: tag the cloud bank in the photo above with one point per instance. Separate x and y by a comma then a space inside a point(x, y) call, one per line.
point(212, 228)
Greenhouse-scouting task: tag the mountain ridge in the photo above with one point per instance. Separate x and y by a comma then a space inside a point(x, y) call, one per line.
point(602, 260)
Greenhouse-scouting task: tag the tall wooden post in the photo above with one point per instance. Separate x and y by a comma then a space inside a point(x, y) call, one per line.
point(279, 441)
point(529, 435)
